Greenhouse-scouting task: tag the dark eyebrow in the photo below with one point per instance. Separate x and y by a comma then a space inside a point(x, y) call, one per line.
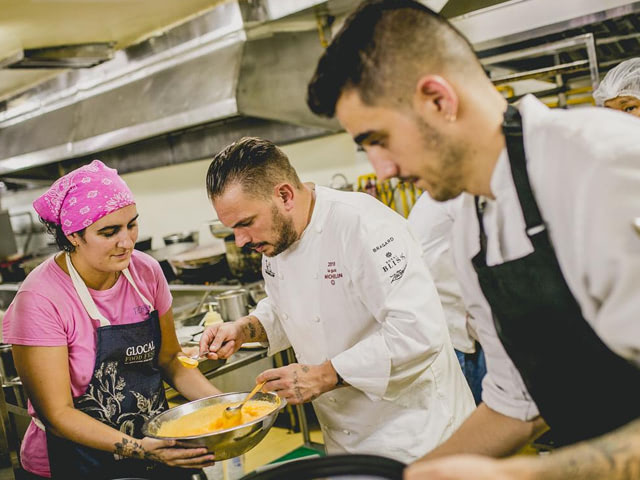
point(244, 220)
point(359, 139)
point(109, 227)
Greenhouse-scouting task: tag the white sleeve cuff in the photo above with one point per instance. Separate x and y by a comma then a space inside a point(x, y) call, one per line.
point(268, 318)
point(521, 407)
point(366, 366)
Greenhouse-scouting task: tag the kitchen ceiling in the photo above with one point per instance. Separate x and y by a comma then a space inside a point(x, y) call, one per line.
point(29, 26)
point(192, 75)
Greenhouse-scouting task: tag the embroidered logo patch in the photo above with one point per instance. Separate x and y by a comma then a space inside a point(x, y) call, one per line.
point(332, 273)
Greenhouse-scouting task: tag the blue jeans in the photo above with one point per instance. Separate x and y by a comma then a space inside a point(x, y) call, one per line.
point(474, 369)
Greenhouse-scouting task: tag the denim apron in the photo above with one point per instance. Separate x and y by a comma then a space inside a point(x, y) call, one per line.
point(580, 386)
point(125, 390)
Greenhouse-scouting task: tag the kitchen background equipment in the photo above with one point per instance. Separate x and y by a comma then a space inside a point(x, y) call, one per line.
point(200, 264)
point(336, 467)
point(224, 444)
point(244, 263)
point(394, 193)
point(179, 238)
point(162, 256)
point(143, 244)
point(339, 182)
point(218, 229)
point(233, 304)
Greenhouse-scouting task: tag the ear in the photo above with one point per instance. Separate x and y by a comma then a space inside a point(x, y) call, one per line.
point(285, 195)
point(435, 98)
point(73, 238)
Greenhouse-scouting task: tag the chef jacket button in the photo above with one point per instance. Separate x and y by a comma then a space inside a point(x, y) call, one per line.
point(281, 276)
point(315, 275)
point(316, 319)
point(285, 316)
point(346, 432)
point(332, 399)
point(319, 228)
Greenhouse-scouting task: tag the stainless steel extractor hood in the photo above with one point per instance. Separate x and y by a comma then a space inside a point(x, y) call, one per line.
point(238, 69)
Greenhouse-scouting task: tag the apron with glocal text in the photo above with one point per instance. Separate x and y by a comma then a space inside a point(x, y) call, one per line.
point(125, 390)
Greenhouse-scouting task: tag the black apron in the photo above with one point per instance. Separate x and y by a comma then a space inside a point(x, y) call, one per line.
point(580, 386)
point(125, 390)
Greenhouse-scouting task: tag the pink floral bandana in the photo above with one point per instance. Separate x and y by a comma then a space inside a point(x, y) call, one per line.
point(83, 196)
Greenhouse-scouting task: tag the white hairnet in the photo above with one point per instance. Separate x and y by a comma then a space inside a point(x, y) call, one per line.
point(623, 80)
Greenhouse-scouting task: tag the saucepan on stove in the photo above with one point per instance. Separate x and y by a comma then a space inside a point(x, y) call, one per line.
point(200, 264)
point(233, 304)
point(244, 263)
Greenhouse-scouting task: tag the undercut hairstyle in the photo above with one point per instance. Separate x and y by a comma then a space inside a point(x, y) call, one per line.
point(61, 239)
point(255, 164)
point(382, 50)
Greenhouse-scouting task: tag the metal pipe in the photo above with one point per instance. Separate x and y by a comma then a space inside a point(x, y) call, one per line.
point(540, 72)
point(593, 61)
point(548, 48)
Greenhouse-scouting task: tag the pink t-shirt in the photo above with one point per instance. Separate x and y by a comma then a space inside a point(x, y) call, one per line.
point(47, 311)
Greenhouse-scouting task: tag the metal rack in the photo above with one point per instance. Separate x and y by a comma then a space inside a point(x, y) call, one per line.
point(554, 72)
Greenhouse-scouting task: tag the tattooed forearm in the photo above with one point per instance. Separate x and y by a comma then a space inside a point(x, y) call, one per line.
point(253, 330)
point(615, 456)
point(132, 449)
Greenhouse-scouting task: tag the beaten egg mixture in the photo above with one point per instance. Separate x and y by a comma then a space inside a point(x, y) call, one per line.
point(211, 419)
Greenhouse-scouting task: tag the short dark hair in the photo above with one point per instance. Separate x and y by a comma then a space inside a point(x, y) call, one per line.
point(61, 239)
point(381, 51)
point(256, 164)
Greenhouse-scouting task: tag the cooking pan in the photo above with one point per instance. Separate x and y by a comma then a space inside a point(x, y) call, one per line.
point(201, 264)
point(162, 256)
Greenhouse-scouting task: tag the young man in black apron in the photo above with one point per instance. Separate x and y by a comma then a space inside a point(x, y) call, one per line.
point(544, 241)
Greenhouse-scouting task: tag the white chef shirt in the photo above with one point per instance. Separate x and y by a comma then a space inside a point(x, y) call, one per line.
point(584, 168)
point(432, 223)
point(354, 290)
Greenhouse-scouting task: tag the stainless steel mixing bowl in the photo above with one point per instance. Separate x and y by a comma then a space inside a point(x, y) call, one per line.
point(224, 444)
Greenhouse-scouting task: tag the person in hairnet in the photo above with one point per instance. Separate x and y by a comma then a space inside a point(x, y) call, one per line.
point(620, 88)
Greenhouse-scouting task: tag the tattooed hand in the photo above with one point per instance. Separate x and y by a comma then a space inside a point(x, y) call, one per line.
point(163, 451)
point(224, 339)
point(299, 383)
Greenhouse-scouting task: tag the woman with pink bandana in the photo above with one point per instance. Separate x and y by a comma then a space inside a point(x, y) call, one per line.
point(93, 338)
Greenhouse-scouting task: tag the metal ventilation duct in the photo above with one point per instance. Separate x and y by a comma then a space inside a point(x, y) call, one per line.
point(242, 68)
point(204, 73)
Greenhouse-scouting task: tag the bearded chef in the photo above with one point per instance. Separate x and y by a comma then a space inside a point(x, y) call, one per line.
point(347, 289)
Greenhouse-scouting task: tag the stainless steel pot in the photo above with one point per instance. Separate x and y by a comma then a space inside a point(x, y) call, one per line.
point(233, 304)
point(244, 263)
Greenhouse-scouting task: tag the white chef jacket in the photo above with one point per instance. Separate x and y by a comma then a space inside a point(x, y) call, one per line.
point(432, 223)
point(584, 169)
point(354, 290)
